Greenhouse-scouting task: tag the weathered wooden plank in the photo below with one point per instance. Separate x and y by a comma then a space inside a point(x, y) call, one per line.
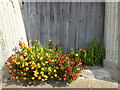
point(71, 24)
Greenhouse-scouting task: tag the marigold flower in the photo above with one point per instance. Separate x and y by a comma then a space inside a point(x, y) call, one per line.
point(43, 79)
point(51, 76)
point(24, 78)
point(80, 49)
point(41, 72)
point(6, 64)
point(41, 58)
point(9, 71)
point(16, 77)
point(13, 78)
point(29, 82)
point(46, 62)
point(84, 50)
point(42, 69)
point(18, 63)
point(76, 55)
point(56, 67)
point(34, 81)
point(24, 74)
point(55, 75)
point(35, 40)
point(39, 77)
point(33, 78)
point(50, 40)
point(55, 70)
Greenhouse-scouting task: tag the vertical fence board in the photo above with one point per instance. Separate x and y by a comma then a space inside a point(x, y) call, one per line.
point(72, 24)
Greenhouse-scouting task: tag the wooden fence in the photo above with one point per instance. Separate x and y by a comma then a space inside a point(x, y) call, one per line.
point(72, 24)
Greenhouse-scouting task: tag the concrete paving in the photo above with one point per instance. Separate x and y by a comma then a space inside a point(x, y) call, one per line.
point(79, 83)
point(93, 77)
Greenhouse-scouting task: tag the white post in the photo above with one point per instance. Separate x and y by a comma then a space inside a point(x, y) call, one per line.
point(11, 28)
point(111, 38)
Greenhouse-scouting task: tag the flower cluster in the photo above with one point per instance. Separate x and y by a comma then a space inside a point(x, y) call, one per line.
point(36, 63)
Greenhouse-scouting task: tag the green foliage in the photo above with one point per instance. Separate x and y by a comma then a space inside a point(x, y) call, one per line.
point(95, 53)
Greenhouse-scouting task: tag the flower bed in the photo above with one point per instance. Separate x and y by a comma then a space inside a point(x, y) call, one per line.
point(36, 63)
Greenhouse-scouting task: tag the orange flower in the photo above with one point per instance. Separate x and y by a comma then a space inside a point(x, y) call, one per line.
point(81, 75)
point(14, 70)
point(84, 50)
point(34, 81)
point(24, 78)
point(9, 71)
point(80, 63)
point(80, 49)
point(13, 78)
point(16, 77)
point(29, 82)
point(6, 64)
point(24, 74)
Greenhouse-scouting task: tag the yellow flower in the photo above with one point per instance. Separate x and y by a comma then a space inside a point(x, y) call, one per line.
point(21, 57)
point(36, 72)
point(53, 60)
point(33, 62)
point(41, 58)
point(45, 76)
point(60, 78)
point(31, 56)
point(51, 76)
point(41, 72)
point(33, 47)
point(50, 40)
point(37, 56)
point(29, 48)
point(26, 64)
point(33, 78)
point(76, 54)
point(32, 67)
point(56, 67)
point(55, 70)
point(55, 75)
point(43, 79)
point(27, 68)
point(35, 75)
point(35, 40)
point(38, 65)
point(50, 50)
point(25, 53)
point(42, 69)
point(39, 77)
point(23, 65)
point(46, 54)
point(49, 73)
point(20, 41)
point(46, 62)
point(17, 63)
point(49, 69)
point(39, 53)
point(43, 63)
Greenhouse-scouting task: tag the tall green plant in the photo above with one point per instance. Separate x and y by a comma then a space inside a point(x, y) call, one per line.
point(95, 53)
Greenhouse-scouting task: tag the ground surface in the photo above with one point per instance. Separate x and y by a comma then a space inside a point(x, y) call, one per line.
point(93, 77)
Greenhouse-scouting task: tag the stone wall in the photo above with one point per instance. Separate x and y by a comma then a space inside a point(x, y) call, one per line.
point(11, 28)
point(111, 38)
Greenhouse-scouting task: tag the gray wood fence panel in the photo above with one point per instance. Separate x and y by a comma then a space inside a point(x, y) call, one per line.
point(72, 24)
